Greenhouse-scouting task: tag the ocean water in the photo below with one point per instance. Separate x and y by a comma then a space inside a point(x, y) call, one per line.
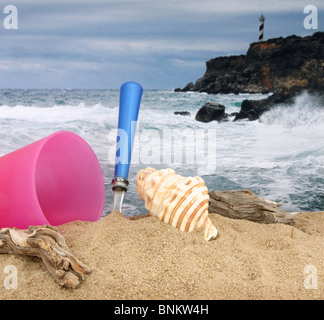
point(279, 157)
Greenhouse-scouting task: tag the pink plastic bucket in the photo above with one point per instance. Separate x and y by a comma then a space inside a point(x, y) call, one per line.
point(51, 181)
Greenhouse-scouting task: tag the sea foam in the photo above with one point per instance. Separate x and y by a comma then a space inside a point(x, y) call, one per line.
point(279, 157)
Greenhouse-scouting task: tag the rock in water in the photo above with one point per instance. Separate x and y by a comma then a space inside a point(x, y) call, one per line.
point(179, 201)
point(253, 109)
point(182, 113)
point(211, 111)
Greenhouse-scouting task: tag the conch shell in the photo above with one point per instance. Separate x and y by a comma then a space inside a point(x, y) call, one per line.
point(179, 201)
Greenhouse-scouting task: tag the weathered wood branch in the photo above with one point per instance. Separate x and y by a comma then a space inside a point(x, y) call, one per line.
point(244, 204)
point(139, 217)
point(46, 243)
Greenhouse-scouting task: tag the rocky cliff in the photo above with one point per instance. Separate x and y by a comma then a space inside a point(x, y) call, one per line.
point(283, 66)
point(278, 64)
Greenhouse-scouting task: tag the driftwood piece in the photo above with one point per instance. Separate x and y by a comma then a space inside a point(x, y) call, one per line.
point(139, 217)
point(46, 243)
point(244, 204)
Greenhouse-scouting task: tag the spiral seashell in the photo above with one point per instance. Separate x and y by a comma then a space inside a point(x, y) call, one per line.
point(179, 201)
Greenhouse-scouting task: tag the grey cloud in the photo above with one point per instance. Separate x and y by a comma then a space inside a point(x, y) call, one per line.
point(165, 44)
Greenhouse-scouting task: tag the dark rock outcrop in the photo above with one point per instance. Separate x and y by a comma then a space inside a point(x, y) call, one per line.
point(283, 66)
point(211, 111)
point(182, 113)
point(253, 109)
point(188, 87)
point(275, 65)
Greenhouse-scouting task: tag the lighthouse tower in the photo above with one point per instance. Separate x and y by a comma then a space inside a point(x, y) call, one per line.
point(261, 27)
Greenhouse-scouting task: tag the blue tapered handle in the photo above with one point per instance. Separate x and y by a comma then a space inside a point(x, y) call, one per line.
point(129, 103)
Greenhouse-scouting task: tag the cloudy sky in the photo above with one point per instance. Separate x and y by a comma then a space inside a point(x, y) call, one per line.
point(161, 44)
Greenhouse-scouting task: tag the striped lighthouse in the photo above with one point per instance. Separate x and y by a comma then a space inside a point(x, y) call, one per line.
point(261, 27)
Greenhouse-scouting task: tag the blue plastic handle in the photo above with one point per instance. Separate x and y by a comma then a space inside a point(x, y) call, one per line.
point(130, 100)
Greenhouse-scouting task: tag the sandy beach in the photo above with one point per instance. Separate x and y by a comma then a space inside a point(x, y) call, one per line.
point(148, 259)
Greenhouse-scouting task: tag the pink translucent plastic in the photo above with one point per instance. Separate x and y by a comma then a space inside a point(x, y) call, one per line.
point(52, 181)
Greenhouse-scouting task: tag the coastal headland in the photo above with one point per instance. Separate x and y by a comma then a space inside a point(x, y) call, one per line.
point(284, 67)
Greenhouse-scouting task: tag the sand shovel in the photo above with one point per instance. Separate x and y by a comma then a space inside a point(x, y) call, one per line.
point(130, 99)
